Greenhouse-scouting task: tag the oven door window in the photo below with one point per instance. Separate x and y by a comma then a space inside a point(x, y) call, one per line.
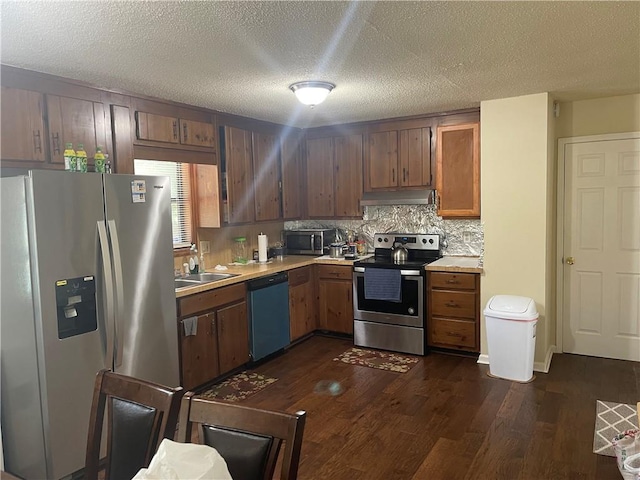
point(411, 304)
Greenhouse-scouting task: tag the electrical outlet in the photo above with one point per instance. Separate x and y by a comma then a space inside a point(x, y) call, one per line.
point(466, 237)
point(204, 246)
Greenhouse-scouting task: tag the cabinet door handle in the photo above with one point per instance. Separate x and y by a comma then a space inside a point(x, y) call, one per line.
point(175, 130)
point(184, 131)
point(451, 304)
point(213, 326)
point(37, 145)
point(55, 140)
point(404, 175)
point(393, 175)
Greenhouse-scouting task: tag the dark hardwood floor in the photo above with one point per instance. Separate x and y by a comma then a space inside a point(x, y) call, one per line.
point(445, 418)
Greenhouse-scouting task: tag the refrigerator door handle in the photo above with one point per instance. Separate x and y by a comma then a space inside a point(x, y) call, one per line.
point(108, 282)
point(117, 267)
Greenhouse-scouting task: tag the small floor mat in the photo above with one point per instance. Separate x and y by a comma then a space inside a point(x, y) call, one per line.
point(238, 387)
point(392, 362)
point(612, 418)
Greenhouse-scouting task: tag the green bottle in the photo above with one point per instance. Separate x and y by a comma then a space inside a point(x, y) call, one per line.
point(98, 160)
point(69, 158)
point(81, 158)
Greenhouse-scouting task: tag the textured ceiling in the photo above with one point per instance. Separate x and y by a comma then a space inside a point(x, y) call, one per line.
point(388, 59)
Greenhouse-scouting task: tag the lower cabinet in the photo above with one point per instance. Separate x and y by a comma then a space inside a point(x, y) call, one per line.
point(335, 298)
point(220, 340)
point(303, 312)
point(453, 319)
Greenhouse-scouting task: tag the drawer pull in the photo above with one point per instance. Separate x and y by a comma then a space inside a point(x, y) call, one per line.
point(454, 334)
point(452, 305)
point(453, 281)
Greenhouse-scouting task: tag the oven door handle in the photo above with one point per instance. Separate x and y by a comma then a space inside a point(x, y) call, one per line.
point(404, 273)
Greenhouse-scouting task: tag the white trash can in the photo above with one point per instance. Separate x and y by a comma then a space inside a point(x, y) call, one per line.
point(511, 336)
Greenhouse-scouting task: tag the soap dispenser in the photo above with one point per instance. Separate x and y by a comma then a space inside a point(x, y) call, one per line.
point(193, 260)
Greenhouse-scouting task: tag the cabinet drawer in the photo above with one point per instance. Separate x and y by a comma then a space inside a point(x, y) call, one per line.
point(453, 281)
point(453, 304)
point(334, 272)
point(453, 333)
point(211, 299)
point(299, 276)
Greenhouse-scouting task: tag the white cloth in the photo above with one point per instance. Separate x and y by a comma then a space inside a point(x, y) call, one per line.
point(185, 461)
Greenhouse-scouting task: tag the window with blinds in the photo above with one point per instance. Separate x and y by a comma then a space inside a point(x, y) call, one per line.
point(181, 207)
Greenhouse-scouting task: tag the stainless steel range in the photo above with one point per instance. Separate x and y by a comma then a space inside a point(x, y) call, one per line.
point(389, 300)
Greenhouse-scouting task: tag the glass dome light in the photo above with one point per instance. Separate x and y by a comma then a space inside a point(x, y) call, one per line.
point(312, 93)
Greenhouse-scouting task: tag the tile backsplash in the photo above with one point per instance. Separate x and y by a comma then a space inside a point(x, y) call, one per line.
point(458, 236)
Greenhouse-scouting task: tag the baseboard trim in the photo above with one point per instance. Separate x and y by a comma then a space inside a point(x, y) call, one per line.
point(537, 366)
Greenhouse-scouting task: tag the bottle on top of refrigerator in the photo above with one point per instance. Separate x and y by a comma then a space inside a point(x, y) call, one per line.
point(69, 157)
point(107, 163)
point(81, 157)
point(99, 160)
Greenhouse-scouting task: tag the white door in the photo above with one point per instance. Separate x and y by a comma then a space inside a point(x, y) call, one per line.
point(601, 315)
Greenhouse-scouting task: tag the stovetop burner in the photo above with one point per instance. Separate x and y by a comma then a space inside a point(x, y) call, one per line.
point(422, 249)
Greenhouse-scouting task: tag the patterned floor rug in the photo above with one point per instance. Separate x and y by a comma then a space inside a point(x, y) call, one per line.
point(612, 418)
point(392, 362)
point(238, 387)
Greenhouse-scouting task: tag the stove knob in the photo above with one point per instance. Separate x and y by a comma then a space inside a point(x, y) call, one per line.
point(379, 239)
point(411, 311)
point(431, 241)
point(424, 240)
point(385, 240)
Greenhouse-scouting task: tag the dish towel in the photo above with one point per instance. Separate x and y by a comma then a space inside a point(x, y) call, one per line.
point(190, 326)
point(382, 284)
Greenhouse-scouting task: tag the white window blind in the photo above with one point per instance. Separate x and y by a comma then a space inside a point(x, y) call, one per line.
point(180, 195)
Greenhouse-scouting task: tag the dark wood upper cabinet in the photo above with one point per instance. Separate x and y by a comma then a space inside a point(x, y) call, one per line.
point(292, 176)
point(458, 170)
point(320, 178)
point(382, 164)
point(266, 172)
point(23, 133)
point(237, 169)
point(348, 175)
point(198, 134)
point(334, 176)
point(72, 120)
point(165, 131)
point(398, 155)
point(156, 128)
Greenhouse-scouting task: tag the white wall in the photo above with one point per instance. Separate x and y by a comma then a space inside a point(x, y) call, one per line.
point(517, 205)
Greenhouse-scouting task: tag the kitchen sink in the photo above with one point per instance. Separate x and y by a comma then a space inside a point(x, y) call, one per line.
point(201, 279)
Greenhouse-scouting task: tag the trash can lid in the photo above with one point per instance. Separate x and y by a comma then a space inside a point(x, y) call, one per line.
point(511, 307)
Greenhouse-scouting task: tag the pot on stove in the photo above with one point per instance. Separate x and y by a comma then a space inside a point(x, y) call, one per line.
point(399, 254)
point(335, 250)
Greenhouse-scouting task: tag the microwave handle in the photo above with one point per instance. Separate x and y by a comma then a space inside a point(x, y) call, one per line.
point(312, 243)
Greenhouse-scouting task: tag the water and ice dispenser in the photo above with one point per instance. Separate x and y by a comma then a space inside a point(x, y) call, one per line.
point(76, 306)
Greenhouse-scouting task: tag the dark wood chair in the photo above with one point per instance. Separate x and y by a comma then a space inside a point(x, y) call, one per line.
point(248, 439)
point(139, 415)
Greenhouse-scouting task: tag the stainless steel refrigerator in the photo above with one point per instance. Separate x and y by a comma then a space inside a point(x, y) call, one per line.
point(87, 283)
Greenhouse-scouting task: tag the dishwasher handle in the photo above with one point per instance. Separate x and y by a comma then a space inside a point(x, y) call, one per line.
point(265, 282)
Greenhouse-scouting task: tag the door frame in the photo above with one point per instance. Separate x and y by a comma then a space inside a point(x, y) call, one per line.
point(562, 143)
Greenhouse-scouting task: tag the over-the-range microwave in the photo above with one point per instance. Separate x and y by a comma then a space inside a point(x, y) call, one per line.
point(309, 241)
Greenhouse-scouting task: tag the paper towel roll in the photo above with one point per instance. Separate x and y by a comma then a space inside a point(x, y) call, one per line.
point(262, 248)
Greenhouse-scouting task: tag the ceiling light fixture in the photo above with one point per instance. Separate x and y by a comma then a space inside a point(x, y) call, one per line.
point(312, 93)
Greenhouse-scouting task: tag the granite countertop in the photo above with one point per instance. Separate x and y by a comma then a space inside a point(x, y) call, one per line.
point(456, 264)
point(256, 270)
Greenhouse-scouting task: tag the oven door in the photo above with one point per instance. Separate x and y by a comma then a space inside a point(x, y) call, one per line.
point(409, 312)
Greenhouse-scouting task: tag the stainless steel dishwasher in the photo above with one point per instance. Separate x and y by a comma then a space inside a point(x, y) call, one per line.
point(268, 314)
